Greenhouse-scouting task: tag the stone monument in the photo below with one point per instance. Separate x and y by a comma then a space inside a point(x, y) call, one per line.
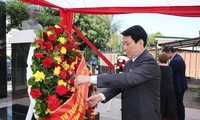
point(32, 22)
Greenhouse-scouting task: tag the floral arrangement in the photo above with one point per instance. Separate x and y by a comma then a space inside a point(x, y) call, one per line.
point(54, 64)
point(121, 61)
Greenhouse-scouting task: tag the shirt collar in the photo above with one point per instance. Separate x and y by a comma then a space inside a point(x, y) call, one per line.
point(173, 56)
point(137, 56)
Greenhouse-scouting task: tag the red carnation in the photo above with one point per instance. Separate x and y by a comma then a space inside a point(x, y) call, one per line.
point(35, 93)
point(71, 81)
point(48, 46)
point(62, 57)
point(38, 55)
point(70, 41)
point(120, 64)
point(58, 31)
point(70, 72)
point(63, 75)
point(58, 47)
point(39, 41)
point(47, 62)
point(45, 35)
point(67, 46)
point(76, 66)
point(50, 28)
point(53, 102)
point(52, 37)
point(75, 37)
point(61, 90)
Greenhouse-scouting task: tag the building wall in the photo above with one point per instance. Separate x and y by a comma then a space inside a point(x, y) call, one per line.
point(192, 61)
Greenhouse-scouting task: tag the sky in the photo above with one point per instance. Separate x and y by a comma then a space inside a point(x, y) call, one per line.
point(173, 26)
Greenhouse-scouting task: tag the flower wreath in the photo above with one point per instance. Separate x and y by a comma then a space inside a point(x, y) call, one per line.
point(121, 61)
point(54, 64)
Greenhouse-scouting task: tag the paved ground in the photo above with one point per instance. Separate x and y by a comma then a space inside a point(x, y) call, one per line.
point(108, 111)
point(111, 111)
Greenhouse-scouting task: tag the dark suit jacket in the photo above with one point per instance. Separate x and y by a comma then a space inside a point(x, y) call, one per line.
point(140, 88)
point(178, 65)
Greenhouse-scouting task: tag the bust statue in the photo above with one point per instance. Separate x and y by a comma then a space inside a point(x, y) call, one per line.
point(32, 22)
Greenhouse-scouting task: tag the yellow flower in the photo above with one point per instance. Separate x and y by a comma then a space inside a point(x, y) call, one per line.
point(57, 70)
point(57, 26)
point(49, 33)
point(65, 66)
point(57, 59)
point(62, 40)
point(61, 82)
point(63, 50)
point(39, 76)
point(72, 64)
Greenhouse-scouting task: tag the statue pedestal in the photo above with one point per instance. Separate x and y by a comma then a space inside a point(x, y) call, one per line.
point(22, 36)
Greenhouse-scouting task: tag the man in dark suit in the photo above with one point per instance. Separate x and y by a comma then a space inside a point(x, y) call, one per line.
point(139, 83)
point(180, 84)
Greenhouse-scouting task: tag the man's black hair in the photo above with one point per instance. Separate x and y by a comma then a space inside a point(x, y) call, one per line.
point(167, 49)
point(136, 32)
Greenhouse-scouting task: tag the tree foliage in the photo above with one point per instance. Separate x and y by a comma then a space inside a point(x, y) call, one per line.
point(97, 28)
point(151, 39)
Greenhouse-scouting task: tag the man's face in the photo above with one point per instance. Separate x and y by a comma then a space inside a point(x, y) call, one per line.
point(34, 12)
point(131, 48)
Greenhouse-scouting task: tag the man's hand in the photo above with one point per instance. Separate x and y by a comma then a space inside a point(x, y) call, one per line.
point(93, 100)
point(80, 79)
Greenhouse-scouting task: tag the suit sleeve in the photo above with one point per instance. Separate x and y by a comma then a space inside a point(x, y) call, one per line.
point(144, 71)
point(109, 93)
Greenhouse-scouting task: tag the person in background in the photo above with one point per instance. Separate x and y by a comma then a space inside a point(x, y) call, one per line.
point(139, 83)
point(168, 105)
point(93, 63)
point(180, 84)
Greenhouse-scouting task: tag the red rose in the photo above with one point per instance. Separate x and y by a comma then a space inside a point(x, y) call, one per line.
point(38, 55)
point(61, 90)
point(50, 28)
point(35, 93)
point(63, 75)
point(58, 31)
point(47, 62)
point(70, 41)
point(52, 37)
point(48, 46)
point(53, 102)
point(39, 41)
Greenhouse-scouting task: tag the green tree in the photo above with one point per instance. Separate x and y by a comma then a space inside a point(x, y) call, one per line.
point(15, 13)
point(114, 41)
point(97, 28)
point(151, 39)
